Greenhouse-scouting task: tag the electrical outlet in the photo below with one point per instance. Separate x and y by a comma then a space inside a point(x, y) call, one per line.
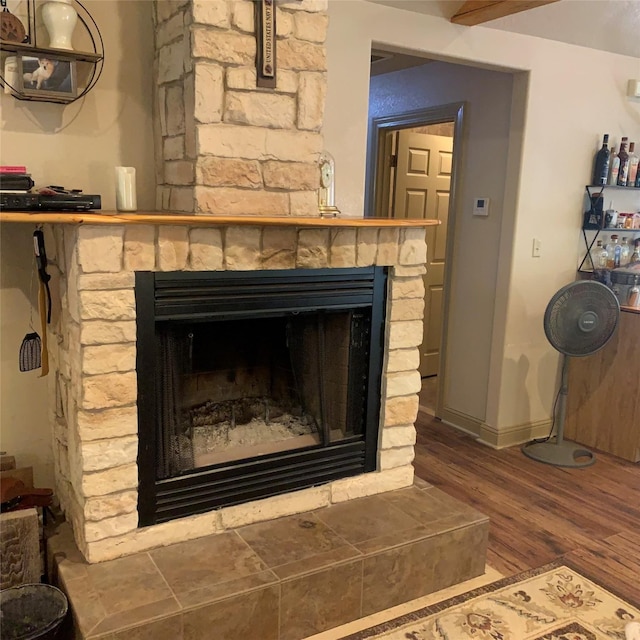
point(537, 248)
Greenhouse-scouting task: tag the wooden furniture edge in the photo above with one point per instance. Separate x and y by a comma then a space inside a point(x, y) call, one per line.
point(111, 218)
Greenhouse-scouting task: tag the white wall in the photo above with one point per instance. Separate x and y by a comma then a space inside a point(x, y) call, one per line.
point(484, 147)
point(77, 146)
point(573, 95)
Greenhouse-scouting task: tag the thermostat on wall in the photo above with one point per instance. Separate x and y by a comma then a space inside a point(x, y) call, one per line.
point(481, 206)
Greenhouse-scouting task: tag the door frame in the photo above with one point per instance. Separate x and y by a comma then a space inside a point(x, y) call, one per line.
point(378, 127)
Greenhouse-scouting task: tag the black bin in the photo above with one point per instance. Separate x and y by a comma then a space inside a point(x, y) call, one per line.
point(31, 611)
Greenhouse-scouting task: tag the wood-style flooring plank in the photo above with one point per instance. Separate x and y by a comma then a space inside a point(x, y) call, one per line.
point(539, 513)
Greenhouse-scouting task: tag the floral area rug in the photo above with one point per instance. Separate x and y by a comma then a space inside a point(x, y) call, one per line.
point(554, 602)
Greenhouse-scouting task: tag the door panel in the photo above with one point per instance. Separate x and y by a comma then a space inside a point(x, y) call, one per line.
point(423, 178)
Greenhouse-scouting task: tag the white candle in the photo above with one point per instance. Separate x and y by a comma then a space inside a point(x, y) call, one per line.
point(126, 189)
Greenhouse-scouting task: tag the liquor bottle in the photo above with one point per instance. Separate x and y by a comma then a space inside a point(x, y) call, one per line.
point(623, 170)
point(601, 256)
point(635, 256)
point(613, 252)
point(601, 163)
point(633, 166)
point(625, 252)
point(614, 167)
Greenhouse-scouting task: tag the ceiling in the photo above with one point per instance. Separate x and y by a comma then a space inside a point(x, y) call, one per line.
point(609, 25)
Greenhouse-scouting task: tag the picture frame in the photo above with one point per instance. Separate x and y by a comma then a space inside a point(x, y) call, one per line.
point(50, 77)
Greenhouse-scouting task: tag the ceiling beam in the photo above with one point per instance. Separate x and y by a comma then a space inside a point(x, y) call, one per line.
point(478, 11)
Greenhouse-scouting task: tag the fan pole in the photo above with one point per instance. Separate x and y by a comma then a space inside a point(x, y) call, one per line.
point(556, 451)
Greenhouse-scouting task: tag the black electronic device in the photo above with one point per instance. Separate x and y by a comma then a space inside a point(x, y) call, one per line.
point(51, 202)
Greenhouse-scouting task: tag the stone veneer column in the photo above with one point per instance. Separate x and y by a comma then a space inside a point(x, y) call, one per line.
point(93, 356)
point(223, 145)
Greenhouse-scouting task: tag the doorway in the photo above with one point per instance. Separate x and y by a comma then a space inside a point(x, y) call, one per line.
point(412, 159)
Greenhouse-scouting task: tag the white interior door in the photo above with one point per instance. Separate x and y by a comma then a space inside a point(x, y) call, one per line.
point(423, 179)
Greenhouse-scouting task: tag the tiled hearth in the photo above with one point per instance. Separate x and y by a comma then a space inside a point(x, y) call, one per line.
point(285, 579)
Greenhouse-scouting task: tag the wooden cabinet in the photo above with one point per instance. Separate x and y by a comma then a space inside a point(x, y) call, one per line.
point(603, 406)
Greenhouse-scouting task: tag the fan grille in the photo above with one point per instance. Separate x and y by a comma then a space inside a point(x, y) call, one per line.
point(581, 317)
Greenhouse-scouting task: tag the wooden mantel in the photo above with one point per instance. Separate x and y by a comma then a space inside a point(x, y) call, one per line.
point(112, 218)
point(475, 12)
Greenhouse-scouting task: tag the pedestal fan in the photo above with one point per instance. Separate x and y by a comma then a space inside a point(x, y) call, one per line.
point(579, 320)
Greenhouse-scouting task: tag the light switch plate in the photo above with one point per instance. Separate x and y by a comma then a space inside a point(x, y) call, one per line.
point(481, 206)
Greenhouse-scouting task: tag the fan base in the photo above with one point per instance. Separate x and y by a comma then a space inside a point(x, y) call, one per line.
point(564, 454)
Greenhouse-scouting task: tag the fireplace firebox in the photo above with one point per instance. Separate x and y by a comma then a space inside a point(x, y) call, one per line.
point(253, 384)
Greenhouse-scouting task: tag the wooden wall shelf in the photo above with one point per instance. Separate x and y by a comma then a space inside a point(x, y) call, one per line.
point(112, 218)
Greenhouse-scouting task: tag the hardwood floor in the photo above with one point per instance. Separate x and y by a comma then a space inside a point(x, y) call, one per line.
point(538, 512)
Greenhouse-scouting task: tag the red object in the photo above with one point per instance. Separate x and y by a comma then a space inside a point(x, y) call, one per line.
point(9, 169)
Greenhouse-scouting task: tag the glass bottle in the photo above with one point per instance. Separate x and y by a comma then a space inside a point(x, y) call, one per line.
point(601, 163)
point(633, 165)
point(601, 256)
point(614, 167)
point(613, 252)
point(635, 256)
point(623, 169)
point(633, 297)
point(625, 252)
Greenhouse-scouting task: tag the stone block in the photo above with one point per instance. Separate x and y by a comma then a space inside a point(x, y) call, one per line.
point(275, 507)
point(215, 14)
point(284, 24)
point(311, 26)
point(230, 201)
point(387, 246)
point(287, 81)
point(173, 148)
point(366, 247)
point(312, 6)
point(113, 504)
point(118, 304)
point(180, 172)
point(403, 360)
point(170, 30)
point(173, 247)
point(407, 309)
point(242, 248)
point(100, 332)
point(208, 92)
point(171, 60)
point(292, 176)
point(279, 248)
point(205, 249)
point(161, 105)
point(400, 411)
point(109, 390)
point(242, 17)
point(175, 110)
point(301, 56)
point(108, 358)
point(403, 383)
point(100, 248)
point(311, 99)
point(395, 458)
point(313, 249)
point(396, 437)
point(110, 423)
point(182, 199)
point(413, 249)
point(105, 454)
point(403, 335)
point(241, 78)
point(101, 483)
point(140, 248)
point(293, 146)
point(228, 172)
point(110, 527)
point(402, 288)
point(342, 250)
point(228, 47)
point(231, 141)
point(260, 109)
point(369, 484)
point(402, 271)
point(105, 281)
point(303, 203)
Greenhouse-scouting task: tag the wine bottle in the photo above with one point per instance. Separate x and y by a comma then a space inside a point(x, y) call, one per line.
point(633, 166)
point(614, 167)
point(601, 163)
point(623, 170)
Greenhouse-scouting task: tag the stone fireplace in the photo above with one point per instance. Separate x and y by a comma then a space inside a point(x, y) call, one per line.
point(94, 354)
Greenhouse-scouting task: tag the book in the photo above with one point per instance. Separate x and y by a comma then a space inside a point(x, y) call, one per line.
point(4, 168)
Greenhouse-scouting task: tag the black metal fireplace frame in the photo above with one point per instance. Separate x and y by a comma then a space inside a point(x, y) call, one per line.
point(213, 296)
